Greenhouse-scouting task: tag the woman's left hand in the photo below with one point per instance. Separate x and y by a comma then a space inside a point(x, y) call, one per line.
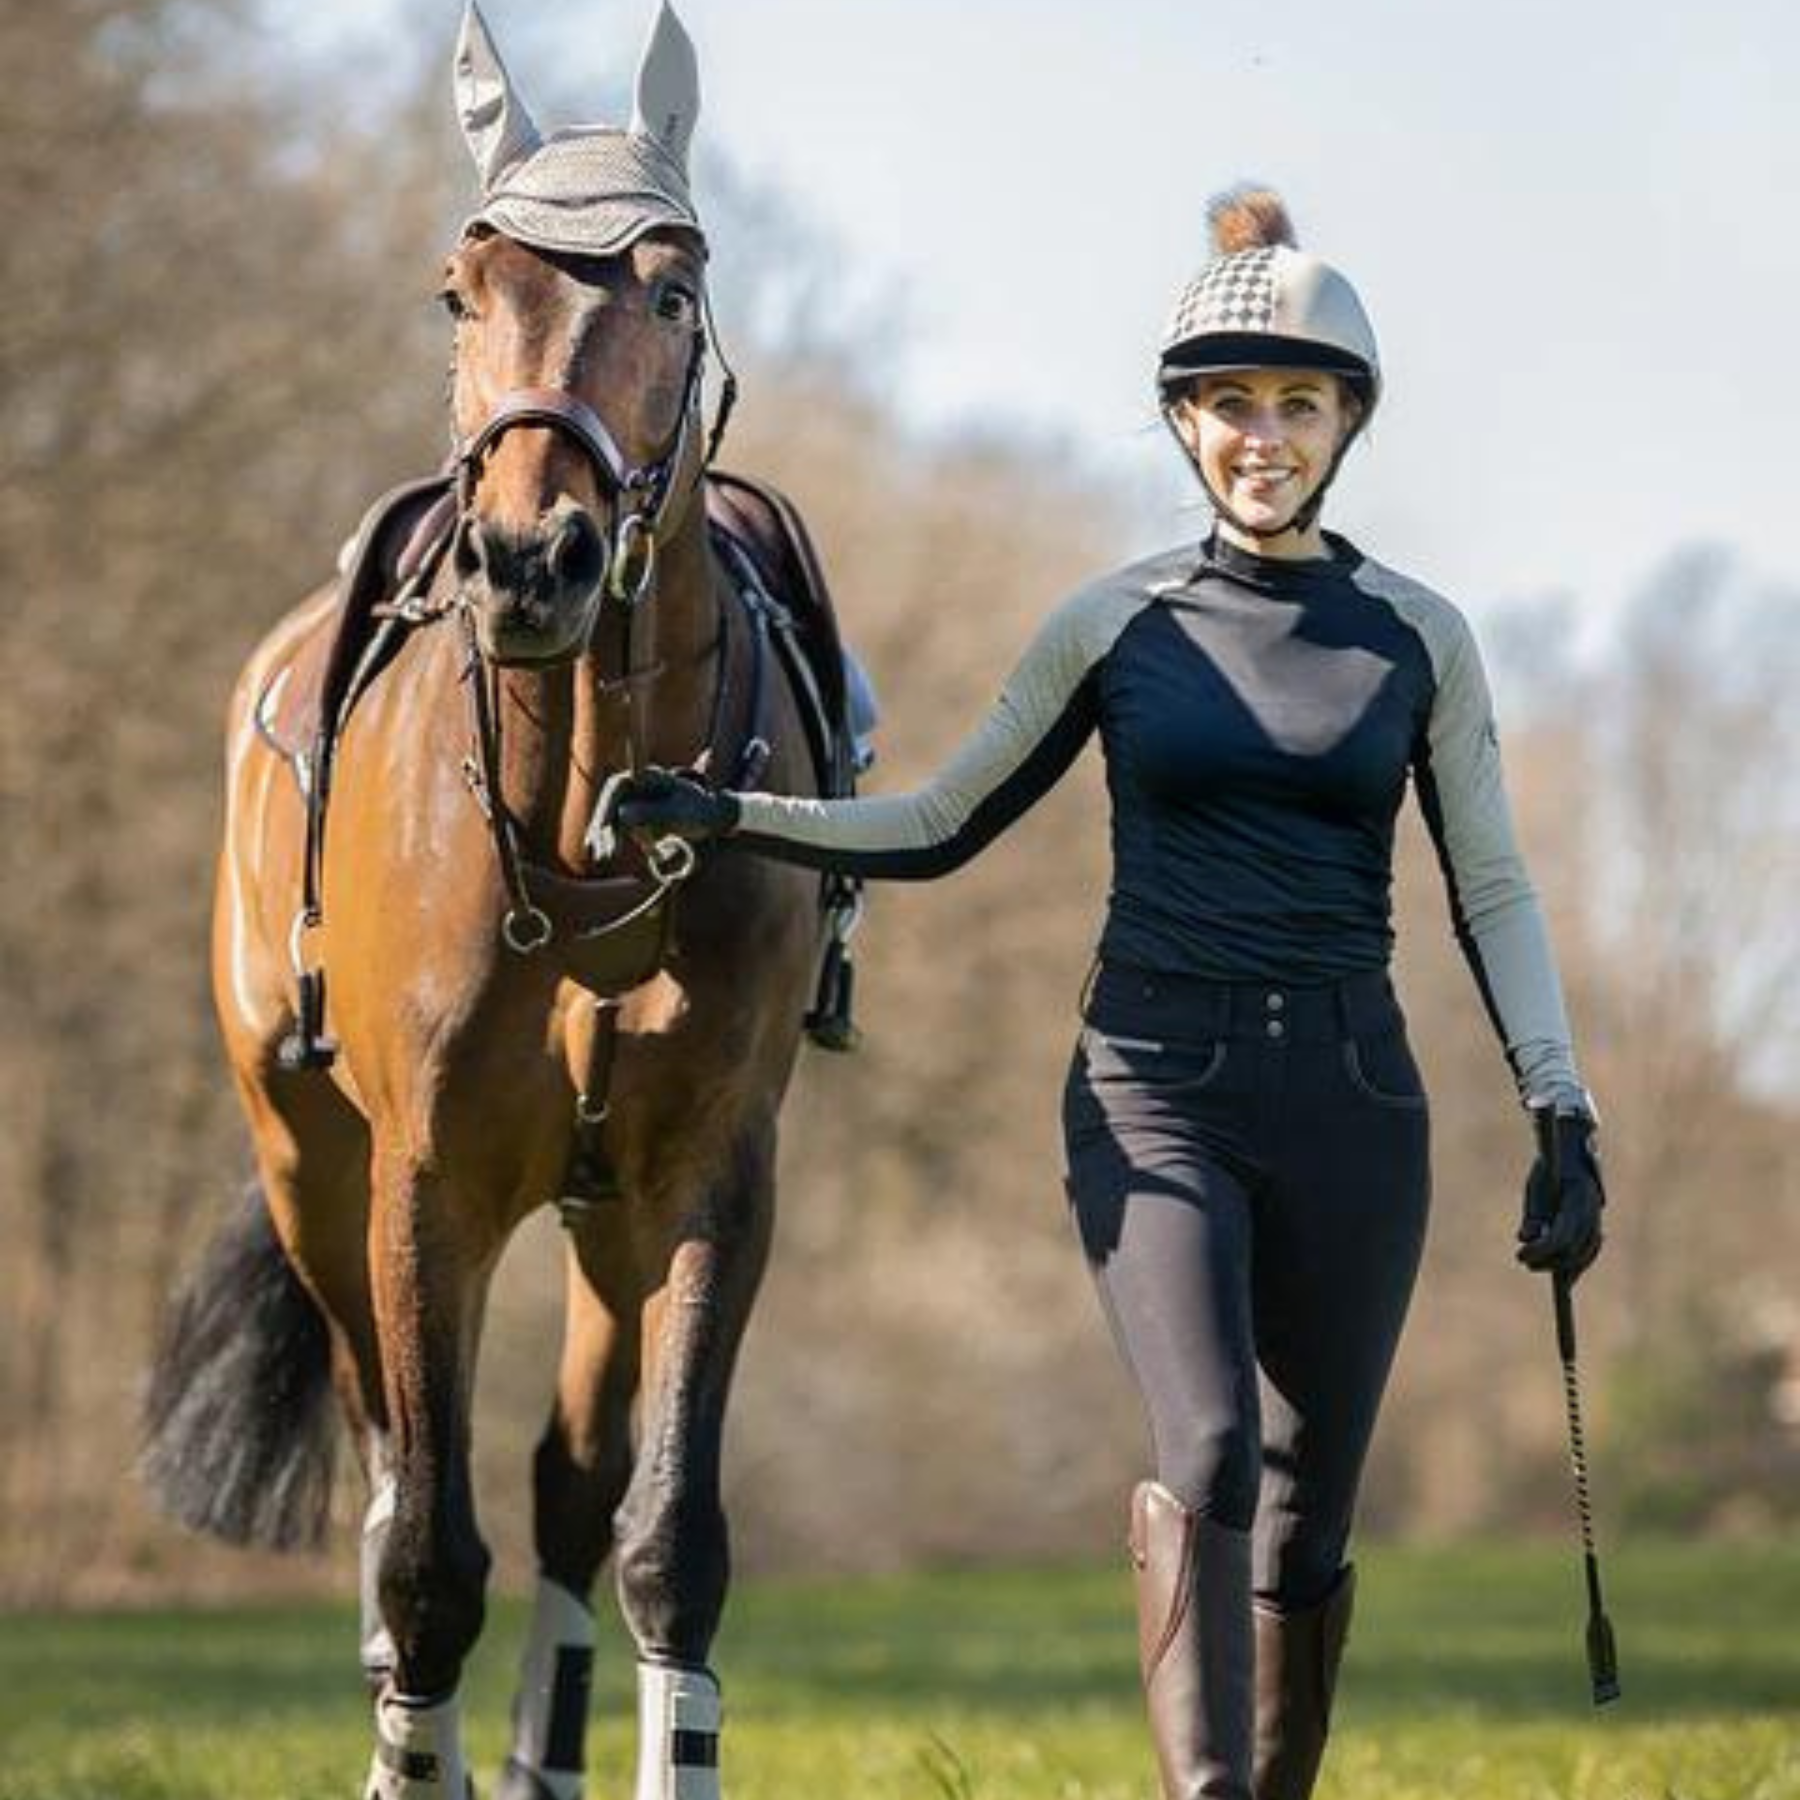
point(1560, 1231)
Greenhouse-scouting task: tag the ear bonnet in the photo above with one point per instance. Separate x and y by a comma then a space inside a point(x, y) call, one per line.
point(591, 190)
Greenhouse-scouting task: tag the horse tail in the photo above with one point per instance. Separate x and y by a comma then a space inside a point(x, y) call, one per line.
point(240, 1432)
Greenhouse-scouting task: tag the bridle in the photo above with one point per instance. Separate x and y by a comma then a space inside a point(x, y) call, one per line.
point(648, 498)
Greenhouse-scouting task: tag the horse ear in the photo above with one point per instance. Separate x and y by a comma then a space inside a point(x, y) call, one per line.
point(668, 86)
point(494, 120)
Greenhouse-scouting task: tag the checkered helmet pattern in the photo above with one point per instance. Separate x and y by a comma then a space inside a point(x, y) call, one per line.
point(1232, 293)
point(1290, 299)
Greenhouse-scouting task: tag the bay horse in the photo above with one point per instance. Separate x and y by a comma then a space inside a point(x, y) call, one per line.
point(582, 602)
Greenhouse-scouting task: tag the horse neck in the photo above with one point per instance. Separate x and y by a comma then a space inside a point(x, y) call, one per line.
point(565, 730)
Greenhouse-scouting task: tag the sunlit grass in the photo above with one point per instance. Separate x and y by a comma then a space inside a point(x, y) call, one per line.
point(1465, 1680)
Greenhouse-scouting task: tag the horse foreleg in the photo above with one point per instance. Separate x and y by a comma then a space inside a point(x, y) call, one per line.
point(582, 1467)
point(674, 1560)
point(429, 1268)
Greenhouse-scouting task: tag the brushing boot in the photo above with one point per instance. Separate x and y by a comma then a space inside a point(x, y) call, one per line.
point(1297, 1656)
point(1195, 1645)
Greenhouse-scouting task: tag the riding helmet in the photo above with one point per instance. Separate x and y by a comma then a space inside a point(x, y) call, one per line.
point(1261, 302)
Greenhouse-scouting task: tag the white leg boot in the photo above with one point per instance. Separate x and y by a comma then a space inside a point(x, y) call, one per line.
point(418, 1750)
point(550, 1711)
point(377, 1645)
point(678, 1734)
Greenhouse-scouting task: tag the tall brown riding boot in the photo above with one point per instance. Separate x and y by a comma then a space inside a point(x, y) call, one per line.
point(1297, 1657)
point(1195, 1645)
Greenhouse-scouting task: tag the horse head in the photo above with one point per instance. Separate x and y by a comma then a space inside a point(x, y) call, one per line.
point(578, 294)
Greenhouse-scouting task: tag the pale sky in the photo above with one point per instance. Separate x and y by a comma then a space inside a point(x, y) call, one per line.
point(1566, 218)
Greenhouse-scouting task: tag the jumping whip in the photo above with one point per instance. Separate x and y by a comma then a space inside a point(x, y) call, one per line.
point(1602, 1650)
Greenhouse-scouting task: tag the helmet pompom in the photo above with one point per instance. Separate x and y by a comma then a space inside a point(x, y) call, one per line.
point(1248, 218)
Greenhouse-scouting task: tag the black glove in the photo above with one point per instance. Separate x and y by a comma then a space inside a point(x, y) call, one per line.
point(661, 803)
point(1560, 1231)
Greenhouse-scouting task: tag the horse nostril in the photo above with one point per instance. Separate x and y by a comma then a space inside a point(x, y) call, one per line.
point(577, 555)
point(471, 551)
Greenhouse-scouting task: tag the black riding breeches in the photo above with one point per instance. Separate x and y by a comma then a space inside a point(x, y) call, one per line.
point(1248, 1166)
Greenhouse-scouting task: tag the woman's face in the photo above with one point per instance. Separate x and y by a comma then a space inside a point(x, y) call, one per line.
point(1265, 438)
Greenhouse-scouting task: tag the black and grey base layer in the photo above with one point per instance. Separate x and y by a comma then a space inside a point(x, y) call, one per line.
point(1261, 719)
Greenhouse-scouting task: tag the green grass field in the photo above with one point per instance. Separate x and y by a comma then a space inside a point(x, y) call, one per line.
point(1465, 1682)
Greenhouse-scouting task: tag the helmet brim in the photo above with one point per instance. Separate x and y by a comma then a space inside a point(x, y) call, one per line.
point(1223, 352)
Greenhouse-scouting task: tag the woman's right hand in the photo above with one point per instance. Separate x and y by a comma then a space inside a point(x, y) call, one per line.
point(660, 803)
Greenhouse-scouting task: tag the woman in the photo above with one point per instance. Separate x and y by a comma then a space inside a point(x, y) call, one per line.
point(1246, 1132)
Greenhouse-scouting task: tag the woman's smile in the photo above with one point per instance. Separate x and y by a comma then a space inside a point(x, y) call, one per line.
point(1261, 477)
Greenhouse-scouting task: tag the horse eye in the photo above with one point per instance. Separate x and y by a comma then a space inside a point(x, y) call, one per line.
point(675, 300)
point(454, 304)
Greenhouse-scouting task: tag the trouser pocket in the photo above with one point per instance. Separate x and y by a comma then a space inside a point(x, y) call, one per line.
point(1380, 1067)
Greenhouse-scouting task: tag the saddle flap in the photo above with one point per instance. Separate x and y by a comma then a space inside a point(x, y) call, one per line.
point(388, 547)
point(768, 529)
point(301, 708)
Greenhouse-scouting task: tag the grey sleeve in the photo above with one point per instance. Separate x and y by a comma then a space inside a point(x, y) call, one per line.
point(1493, 904)
point(1044, 714)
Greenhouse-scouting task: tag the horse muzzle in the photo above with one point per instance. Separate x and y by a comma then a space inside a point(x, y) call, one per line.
point(534, 592)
